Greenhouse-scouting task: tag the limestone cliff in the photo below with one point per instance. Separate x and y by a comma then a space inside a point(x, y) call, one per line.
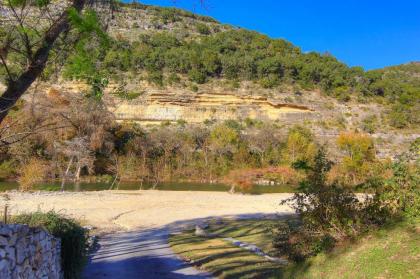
point(159, 106)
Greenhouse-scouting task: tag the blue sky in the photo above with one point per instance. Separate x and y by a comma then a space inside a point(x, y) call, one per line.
point(370, 33)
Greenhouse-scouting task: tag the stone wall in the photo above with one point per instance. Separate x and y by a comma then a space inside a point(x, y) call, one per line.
point(28, 253)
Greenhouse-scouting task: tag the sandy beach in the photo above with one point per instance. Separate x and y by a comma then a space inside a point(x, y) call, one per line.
point(128, 210)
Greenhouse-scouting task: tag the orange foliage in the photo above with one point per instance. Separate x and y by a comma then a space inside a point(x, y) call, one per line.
point(283, 175)
point(55, 96)
point(244, 179)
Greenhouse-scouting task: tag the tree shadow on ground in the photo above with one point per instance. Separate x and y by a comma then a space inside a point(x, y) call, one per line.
point(228, 262)
point(146, 254)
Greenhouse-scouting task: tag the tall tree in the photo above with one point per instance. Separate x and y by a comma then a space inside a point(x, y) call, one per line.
point(31, 30)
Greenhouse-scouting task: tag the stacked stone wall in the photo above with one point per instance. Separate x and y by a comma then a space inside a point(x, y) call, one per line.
point(28, 253)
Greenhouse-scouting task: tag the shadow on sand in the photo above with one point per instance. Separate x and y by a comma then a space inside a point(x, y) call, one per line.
point(145, 253)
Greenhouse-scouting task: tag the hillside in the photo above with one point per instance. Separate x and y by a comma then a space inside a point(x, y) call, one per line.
point(164, 51)
point(165, 65)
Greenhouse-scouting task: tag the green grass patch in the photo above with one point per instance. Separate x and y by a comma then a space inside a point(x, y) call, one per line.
point(392, 252)
point(221, 258)
point(253, 231)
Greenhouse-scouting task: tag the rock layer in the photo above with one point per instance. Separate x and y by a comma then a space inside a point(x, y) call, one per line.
point(196, 108)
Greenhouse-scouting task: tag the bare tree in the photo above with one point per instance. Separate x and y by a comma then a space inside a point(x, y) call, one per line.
point(260, 141)
point(77, 152)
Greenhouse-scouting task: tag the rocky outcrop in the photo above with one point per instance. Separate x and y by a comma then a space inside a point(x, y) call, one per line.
point(158, 106)
point(28, 253)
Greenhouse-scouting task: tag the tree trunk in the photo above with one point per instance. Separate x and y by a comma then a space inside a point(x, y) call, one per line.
point(17, 88)
point(63, 182)
point(113, 182)
point(78, 170)
point(155, 184)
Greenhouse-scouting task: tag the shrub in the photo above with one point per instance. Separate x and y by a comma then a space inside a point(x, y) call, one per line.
point(203, 29)
point(369, 124)
point(331, 212)
point(284, 175)
point(194, 87)
point(243, 179)
point(155, 77)
point(73, 238)
point(197, 76)
point(398, 116)
point(32, 173)
point(173, 79)
point(300, 145)
point(328, 213)
point(292, 240)
point(168, 16)
point(7, 169)
point(269, 81)
point(359, 156)
point(397, 196)
point(342, 94)
point(327, 209)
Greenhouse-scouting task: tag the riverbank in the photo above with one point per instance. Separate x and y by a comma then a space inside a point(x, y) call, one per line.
point(128, 210)
point(136, 185)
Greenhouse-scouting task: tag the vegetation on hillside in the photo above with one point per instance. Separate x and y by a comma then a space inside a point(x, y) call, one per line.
point(206, 51)
point(168, 15)
point(164, 57)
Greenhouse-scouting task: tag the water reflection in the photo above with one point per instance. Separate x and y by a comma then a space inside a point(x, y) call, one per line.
point(168, 186)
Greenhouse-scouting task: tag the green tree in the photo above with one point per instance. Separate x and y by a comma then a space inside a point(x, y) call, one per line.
point(359, 156)
point(27, 46)
point(299, 146)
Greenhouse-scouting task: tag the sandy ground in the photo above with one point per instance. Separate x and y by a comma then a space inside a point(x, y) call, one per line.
point(136, 224)
point(128, 210)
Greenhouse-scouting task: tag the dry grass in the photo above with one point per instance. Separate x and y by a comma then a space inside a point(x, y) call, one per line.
point(32, 173)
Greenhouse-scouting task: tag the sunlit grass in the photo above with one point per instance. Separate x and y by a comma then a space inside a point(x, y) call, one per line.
point(221, 258)
point(389, 253)
point(392, 252)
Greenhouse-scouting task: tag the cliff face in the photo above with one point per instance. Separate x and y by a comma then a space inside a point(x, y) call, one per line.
point(155, 105)
point(159, 106)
